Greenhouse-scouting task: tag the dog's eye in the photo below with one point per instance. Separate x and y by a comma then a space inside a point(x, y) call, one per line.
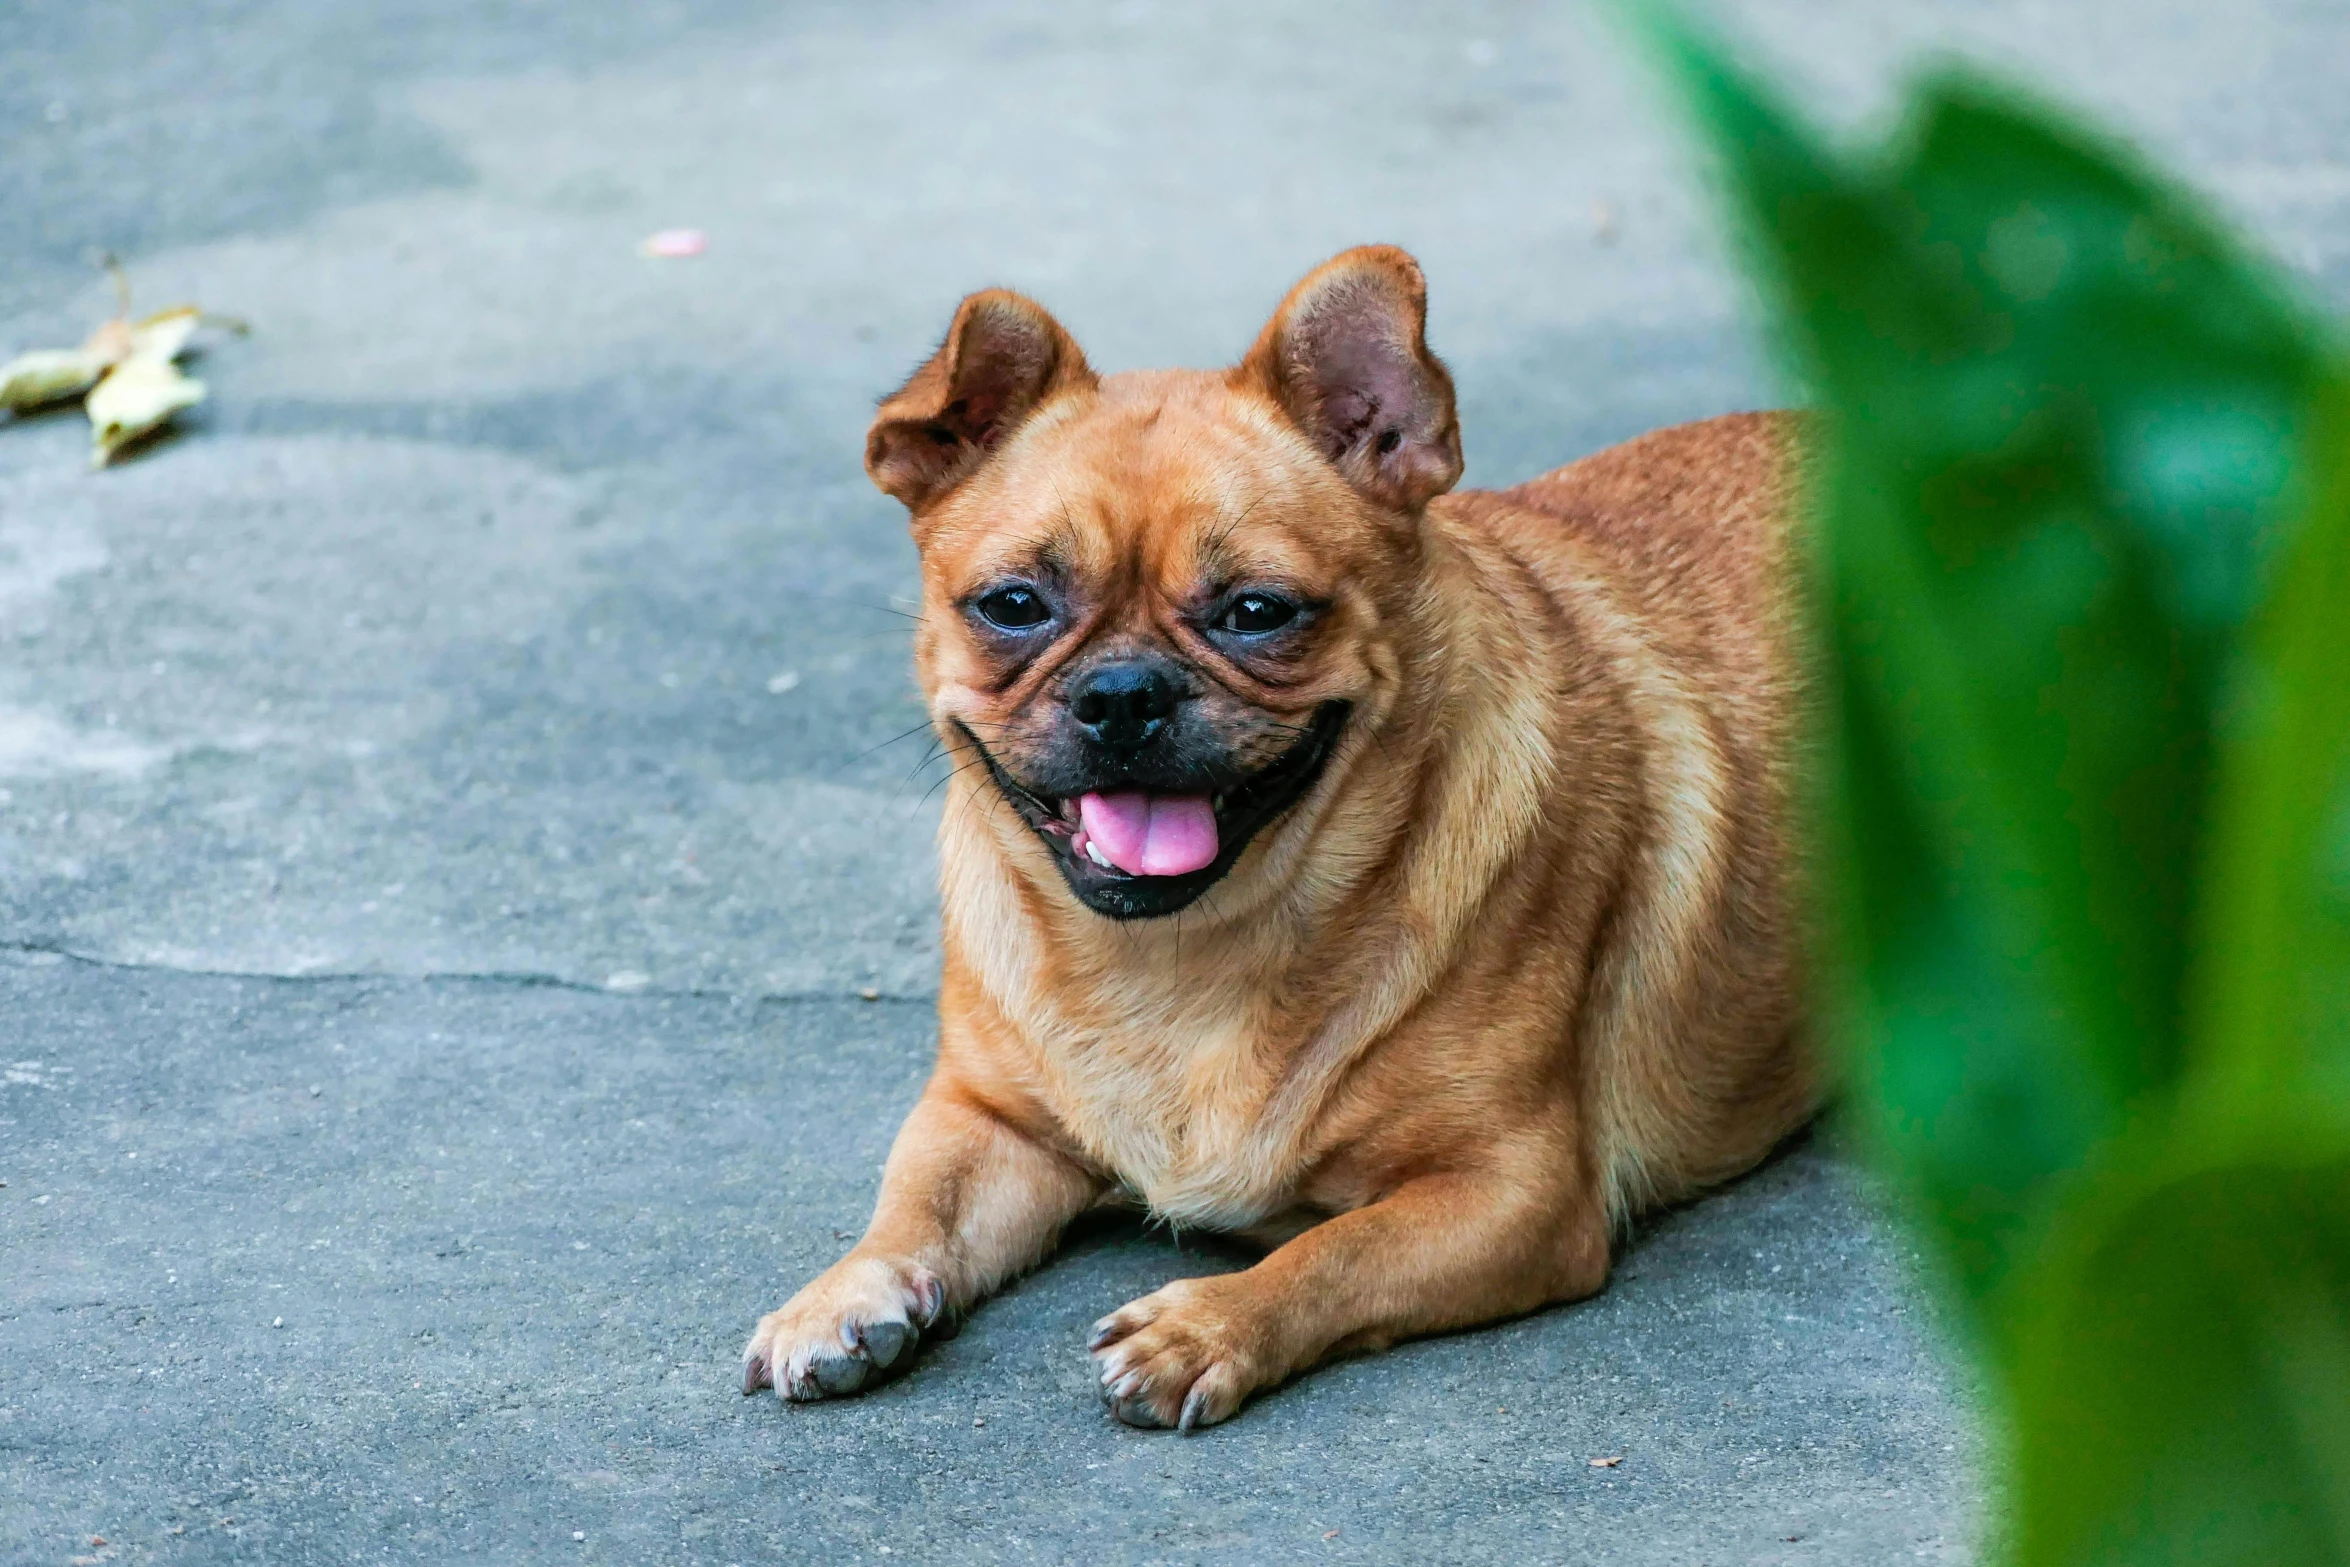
point(1254, 613)
point(1014, 608)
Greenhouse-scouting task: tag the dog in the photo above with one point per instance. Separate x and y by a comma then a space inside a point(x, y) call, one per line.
point(1406, 881)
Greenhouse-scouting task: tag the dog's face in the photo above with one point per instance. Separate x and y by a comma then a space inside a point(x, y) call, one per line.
point(1152, 614)
point(1154, 603)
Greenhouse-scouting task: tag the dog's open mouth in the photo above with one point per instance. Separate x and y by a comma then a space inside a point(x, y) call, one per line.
point(1134, 853)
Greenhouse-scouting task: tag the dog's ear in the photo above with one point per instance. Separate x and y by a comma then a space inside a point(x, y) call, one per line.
point(1347, 356)
point(1002, 358)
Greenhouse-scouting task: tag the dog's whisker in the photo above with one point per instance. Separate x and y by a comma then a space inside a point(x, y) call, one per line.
point(902, 735)
point(879, 609)
point(948, 778)
point(1215, 544)
point(928, 756)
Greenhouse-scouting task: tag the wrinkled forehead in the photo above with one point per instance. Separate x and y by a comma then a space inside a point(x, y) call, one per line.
point(1171, 477)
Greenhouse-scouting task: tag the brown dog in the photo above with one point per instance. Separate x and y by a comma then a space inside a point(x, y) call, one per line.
point(1404, 881)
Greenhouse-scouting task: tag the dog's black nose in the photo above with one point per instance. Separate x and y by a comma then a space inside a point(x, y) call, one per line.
point(1123, 706)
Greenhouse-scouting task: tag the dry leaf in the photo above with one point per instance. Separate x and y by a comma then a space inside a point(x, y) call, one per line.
point(137, 398)
point(163, 335)
point(112, 341)
point(49, 375)
point(127, 368)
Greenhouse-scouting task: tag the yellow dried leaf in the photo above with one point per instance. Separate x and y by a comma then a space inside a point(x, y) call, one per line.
point(112, 341)
point(48, 375)
point(164, 335)
point(137, 398)
point(128, 369)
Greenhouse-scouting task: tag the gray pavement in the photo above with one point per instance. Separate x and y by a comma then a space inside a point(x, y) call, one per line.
point(449, 804)
point(512, 1234)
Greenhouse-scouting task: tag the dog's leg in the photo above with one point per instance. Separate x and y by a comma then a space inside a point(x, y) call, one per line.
point(1441, 1252)
point(966, 1201)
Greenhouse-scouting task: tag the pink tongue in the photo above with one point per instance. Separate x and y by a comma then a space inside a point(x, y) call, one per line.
point(1151, 834)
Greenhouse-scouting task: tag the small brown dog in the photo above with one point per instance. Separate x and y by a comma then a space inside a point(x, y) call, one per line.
point(1402, 880)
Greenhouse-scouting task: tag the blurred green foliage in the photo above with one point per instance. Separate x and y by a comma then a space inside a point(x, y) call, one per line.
point(2082, 571)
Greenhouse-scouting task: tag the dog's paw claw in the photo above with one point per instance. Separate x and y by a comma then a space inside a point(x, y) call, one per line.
point(852, 1328)
point(1178, 1360)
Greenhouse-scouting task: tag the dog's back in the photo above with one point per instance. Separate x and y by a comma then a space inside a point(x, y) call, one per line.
point(1675, 567)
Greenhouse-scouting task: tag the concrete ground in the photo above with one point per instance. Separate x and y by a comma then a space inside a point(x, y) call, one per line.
point(449, 807)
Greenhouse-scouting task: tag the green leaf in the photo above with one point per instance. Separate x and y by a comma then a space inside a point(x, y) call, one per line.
point(2084, 587)
point(2182, 1383)
point(2272, 992)
point(2064, 416)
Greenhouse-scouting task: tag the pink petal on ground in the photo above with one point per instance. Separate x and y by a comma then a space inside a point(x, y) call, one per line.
point(676, 242)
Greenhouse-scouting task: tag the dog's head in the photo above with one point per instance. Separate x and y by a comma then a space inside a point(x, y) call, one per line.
point(1155, 602)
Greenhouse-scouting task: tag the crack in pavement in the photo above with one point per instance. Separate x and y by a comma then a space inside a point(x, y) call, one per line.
point(515, 979)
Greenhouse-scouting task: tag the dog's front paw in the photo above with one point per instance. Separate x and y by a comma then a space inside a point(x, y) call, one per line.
point(1184, 1357)
point(857, 1323)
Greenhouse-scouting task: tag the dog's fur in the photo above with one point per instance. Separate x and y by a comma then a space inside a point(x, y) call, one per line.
point(1521, 961)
